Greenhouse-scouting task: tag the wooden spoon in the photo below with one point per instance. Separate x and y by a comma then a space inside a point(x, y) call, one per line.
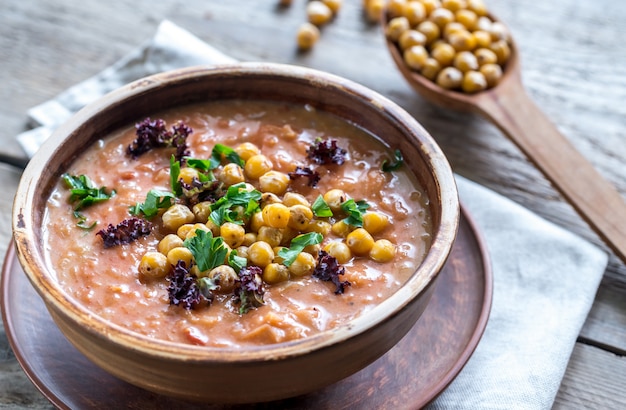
point(510, 108)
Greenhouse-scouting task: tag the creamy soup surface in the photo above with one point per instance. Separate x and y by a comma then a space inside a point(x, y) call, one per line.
point(107, 282)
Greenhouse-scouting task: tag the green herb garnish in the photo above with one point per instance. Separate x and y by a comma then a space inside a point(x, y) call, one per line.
point(207, 251)
point(236, 195)
point(354, 210)
point(398, 161)
point(236, 262)
point(83, 191)
point(219, 151)
point(320, 208)
point(155, 200)
point(177, 189)
point(297, 245)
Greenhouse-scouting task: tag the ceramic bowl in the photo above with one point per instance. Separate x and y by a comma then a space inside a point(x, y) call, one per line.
point(211, 374)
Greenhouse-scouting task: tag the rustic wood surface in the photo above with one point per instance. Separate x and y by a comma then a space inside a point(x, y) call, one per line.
point(573, 66)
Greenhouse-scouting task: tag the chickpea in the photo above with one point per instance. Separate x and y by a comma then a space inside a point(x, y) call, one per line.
point(483, 39)
point(154, 265)
point(246, 150)
point(340, 228)
point(484, 24)
point(453, 5)
point(467, 18)
point(502, 51)
point(339, 250)
point(395, 8)
point(268, 198)
point(293, 198)
point(374, 10)
point(274, 182)
point(180, 254)
point(275, 273)
point(415, 57)
point(473, 81)
point(415, 12)
point(303, 265)
point(375, 222)
point(189, 230)
point(249, 238)
point(396, 27)
point(299, 217)
point(333, 5)
point(485, 56)
point(334, 198)
point(256, 222)
point(260, 254)
point(168, 243)
point(225, 277)
point(176, 216)
point(430, 69)
point(453, 27)
point(430, 30)
point(318, 13)
point(187, 174)
point(411, 38)
point(477, 6)
point(202, 210)
point(257, 165)
point(307, 35)
point(319, 226)
point(450, 78)
point(273, 236)
point(441, 17)
point(242, 251)
point(430, 5)
point(498, 31)
point(231, 174)
point(466, 61)
point(444, 54)
point(462, 40)
point(276, 215)
point(360, 241)
point(492, 73)
point(232, 234)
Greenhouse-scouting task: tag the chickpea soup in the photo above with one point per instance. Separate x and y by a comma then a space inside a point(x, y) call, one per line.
point(236, 223)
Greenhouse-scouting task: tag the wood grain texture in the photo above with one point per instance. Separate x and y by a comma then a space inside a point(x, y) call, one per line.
point(573, 61)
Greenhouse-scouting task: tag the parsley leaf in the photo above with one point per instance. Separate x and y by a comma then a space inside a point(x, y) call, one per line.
point(83, 191)
point(398, 161)
point(320, 208)
point(354, 210)
point(177, 189)
point(237, 262)
point(235, 195)
point(297, 245)
point(221, 150)
point(207, 251)
point(155, 200)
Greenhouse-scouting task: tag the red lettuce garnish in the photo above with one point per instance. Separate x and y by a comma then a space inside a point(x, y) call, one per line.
point(328, 269)
point(326, 152)
point(183, 288)
point(249, 289)
point(125, 232)
point(153, 134)
point(313, 176)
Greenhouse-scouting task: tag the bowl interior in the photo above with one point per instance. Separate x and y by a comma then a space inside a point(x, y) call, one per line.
point(325, 92)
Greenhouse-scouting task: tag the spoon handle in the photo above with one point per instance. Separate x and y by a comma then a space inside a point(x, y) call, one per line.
point(596, 199)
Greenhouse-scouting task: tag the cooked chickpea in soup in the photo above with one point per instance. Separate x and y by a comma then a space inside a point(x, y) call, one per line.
point(237, 223)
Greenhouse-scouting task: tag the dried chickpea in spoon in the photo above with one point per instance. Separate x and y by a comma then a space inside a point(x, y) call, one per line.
point(462, 47)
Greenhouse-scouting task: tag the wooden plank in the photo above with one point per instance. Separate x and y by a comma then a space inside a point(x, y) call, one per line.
point(594, 379)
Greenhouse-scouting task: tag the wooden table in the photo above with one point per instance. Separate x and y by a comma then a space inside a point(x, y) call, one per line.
point(574, 67)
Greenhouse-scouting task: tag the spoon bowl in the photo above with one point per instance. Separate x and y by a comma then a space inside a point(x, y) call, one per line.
point(508, 106)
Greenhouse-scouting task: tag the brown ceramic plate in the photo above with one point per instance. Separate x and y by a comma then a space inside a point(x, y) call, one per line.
point(411, 374)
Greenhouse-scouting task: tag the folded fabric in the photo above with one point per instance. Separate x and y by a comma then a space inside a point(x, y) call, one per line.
point(545, 278)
